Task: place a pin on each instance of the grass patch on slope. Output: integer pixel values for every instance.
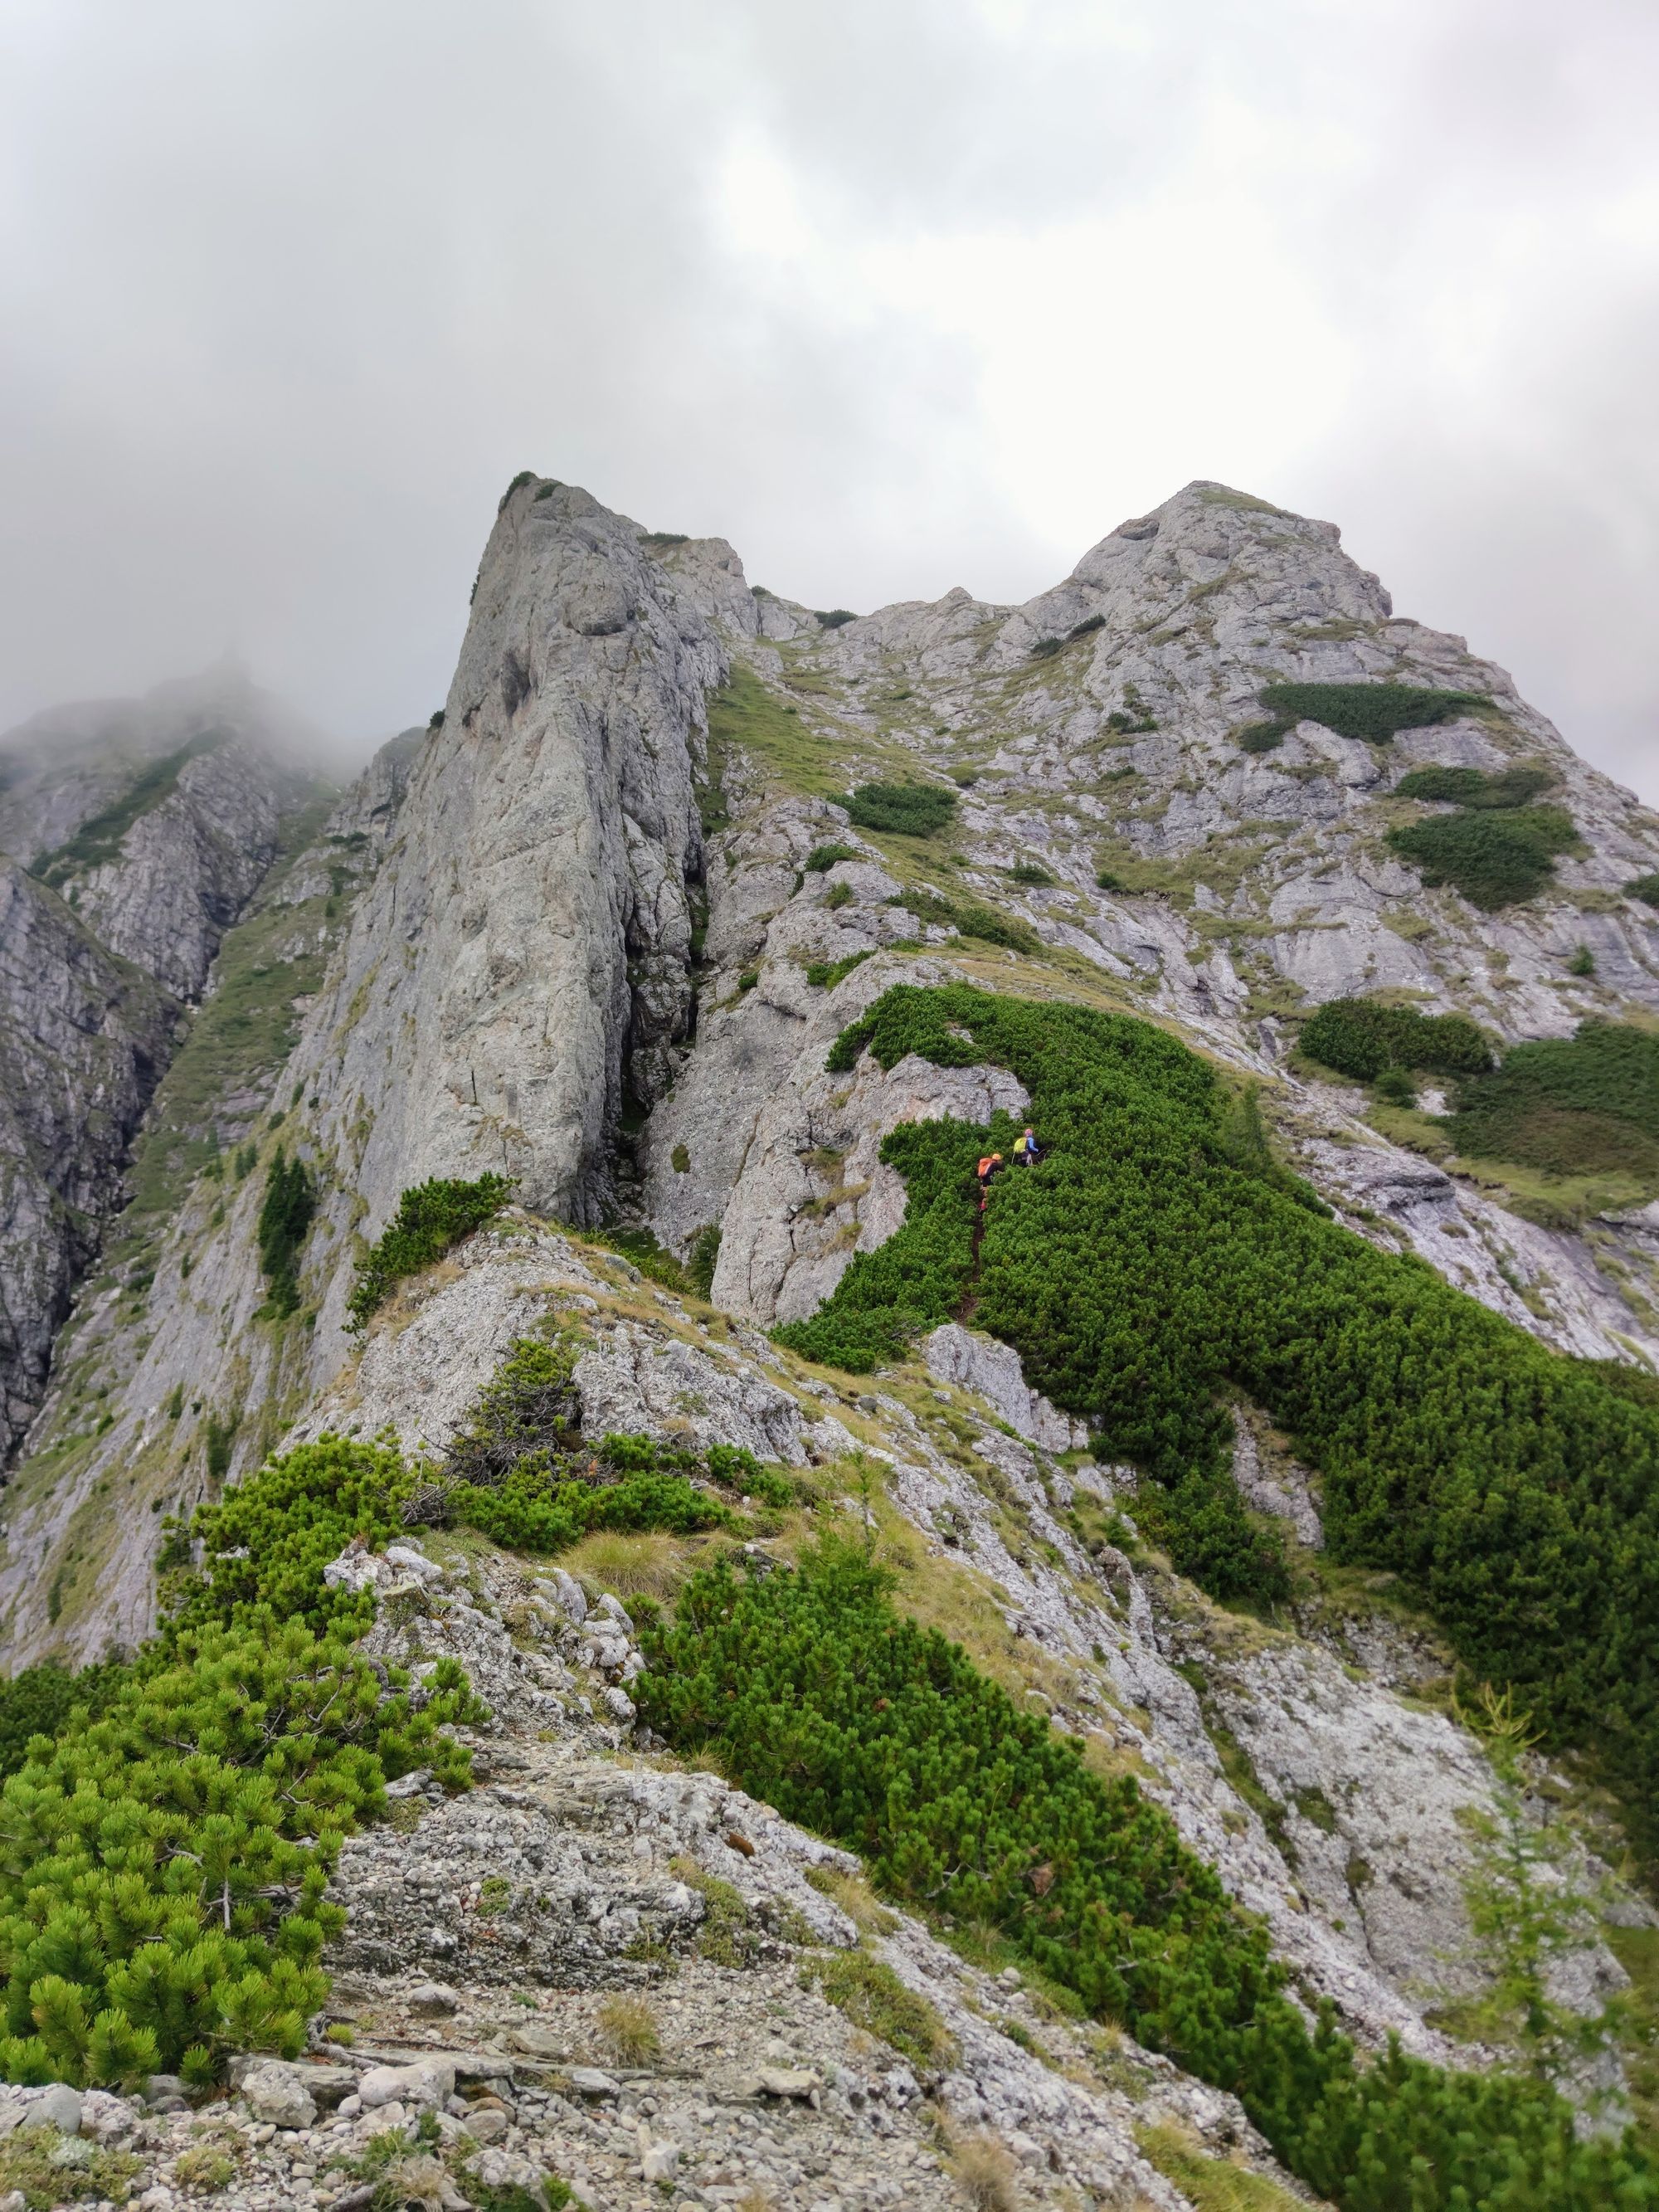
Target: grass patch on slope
(1586, 1104)
(242, 1032)
(745, 713)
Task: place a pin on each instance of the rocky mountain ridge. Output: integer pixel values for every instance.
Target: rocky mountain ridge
(597, 929)
(133, 833)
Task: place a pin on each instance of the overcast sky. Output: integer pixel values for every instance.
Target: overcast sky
(895, 294)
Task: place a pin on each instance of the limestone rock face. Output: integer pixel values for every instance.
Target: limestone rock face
(561, 936)
(157, 817)
(520, 961)
(954, 1354)
(83, 1038)
(133, 833)
(1354, 1845)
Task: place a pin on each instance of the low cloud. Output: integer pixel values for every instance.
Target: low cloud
(895, 297)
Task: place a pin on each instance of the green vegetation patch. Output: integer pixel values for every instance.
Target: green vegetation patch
(285, 1218)
(1210, 2184)
(971, 919)
(1472, 786)
(873, 1998)
(100, 840)
(1362, 1037)
(1578, 1105)
(169, 1845)
(744, 713)
(808, 1689)
(823, 858)
(692, 1277)
(39, 1699)
(430, 1220)
(910, 809)
(521, 1473)
(42, 2182)
(1141, 1272)
(1371, 711)
(824, 975)
(1645, 888)
(1494, 858)
(1045, 647)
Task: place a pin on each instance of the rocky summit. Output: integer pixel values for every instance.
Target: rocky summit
(609, 1594)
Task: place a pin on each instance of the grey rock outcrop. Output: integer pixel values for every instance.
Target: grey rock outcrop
(157, 817)
(519, 964)
(977, 1363)
(1354, 1843)
(134, 834)
(84, 1036)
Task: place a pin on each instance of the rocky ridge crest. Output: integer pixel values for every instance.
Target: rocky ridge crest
(577, 930)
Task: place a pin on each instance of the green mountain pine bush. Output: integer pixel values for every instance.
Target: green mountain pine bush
(1472, 786)
(1495, 858)
(813, 1695)
(430, 1220)
(168, 1845)
(915, 809)
(1371, 711)
(285, 1217)
(1362, 1037)
(1139, 1272)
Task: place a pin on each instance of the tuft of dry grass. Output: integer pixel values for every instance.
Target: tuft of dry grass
(855, 1898)
(985, 2172)
(654, 1565)
(629, 2027)
(1211, 2184)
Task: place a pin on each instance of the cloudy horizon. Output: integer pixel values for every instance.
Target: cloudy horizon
(895, 298)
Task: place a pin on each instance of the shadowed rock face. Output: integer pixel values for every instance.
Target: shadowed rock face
(83, 1038)
(133, 833)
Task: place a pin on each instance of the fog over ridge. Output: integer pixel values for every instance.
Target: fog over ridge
(896, 299)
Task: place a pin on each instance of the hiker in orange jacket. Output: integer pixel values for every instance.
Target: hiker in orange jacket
(989, 1165)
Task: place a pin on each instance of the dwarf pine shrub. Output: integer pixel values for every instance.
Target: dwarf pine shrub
(1371, 711)
(430, 1220)
(811, 1691)
(1140, 1272)
(1494, 858)
(168, 1843)
(1361, 1037)
(1474, 786)
(285, 1217)
(915, 809)
(824, 975)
